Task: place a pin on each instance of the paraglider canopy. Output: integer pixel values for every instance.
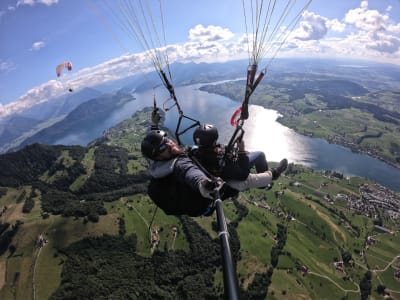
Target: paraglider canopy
(59, 69)
(65, 65)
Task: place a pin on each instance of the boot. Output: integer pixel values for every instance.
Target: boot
(276, 172)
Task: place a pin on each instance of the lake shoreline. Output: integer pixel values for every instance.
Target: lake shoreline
(335, 140)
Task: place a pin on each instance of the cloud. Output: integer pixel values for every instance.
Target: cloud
(11, 8)
(376, 29)
(37, 45)
(394, 28)
(315, 27)
(384, 43)
(362, 33)
(367, 20)
(33, 2)
(336, 25)
(37, 95)
(6, 66)
(209, 34)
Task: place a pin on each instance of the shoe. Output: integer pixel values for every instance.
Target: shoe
(276, 172)
(269, 186)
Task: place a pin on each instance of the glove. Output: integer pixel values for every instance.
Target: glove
(155, 117)
(206, 188)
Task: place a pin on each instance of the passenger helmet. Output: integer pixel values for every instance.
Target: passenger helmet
(205, 135)
(151, 143)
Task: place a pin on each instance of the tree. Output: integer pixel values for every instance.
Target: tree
(346, 256)
(381, 289)
(365, 285)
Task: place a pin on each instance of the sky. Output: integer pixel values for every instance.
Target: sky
(38, 35)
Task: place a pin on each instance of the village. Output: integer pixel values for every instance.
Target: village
(373, 200)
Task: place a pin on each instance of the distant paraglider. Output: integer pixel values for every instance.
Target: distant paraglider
(59, 70)
(65, 65)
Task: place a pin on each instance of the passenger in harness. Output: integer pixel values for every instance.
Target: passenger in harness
(214, 157)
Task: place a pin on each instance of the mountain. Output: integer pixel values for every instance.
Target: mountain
(73, 100)
(60, 105)
(15, 129)
(86, 116)
(80, 216)
(15, 126)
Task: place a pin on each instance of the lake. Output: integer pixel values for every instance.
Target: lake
(263, 133)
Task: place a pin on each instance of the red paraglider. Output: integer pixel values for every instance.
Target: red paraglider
(65, 65)
(59, 69)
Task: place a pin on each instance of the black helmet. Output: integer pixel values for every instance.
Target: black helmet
(151, 143)
(205, 135)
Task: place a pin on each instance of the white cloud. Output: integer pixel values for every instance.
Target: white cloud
(375, 29)
(363, 33)
(336, 25)
(315, 27)
(48, 2)
(25, 2)
(3, 12)
(384, 43)
(209, 34)
(394, 28)
(11, 8)
(37, 95)
(6, 66)
(367, 20)
(38, 45)
(33, 2)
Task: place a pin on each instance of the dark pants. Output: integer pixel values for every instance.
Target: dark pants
(257, 159)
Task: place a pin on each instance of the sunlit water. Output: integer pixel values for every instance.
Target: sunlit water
(262, 133)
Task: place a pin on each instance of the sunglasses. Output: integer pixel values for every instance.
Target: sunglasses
(163, 145)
